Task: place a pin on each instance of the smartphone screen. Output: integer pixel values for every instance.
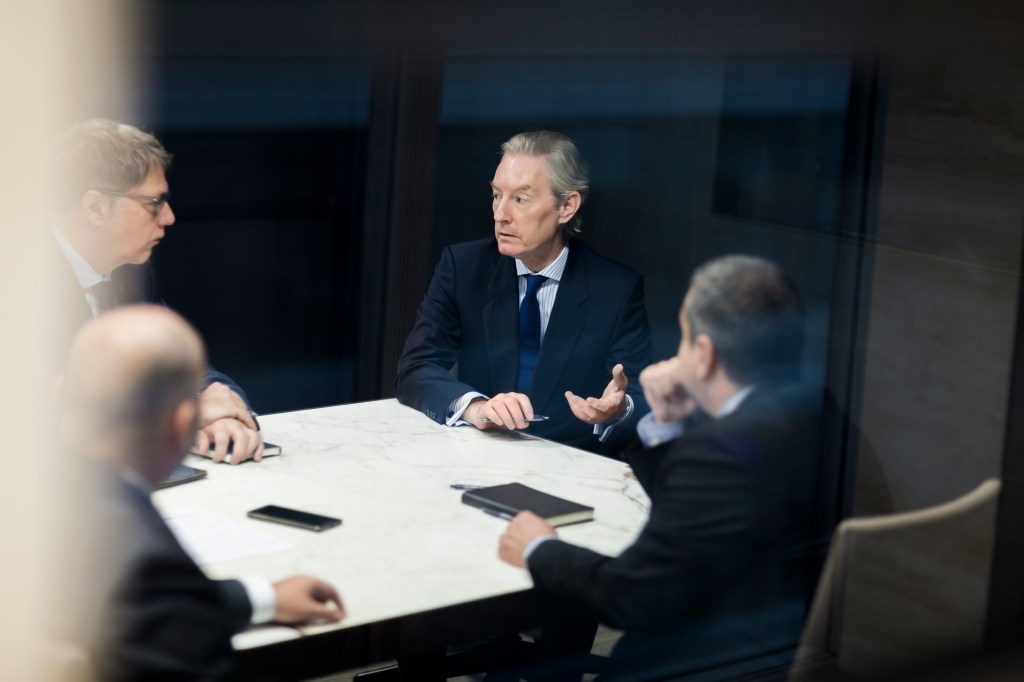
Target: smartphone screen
(294, 517)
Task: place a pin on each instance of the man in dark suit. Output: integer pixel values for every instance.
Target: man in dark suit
(144, 610)
(114, 210)
(533, 319)
(729, 552)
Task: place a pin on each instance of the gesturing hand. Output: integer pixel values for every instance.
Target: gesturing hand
(609, 407)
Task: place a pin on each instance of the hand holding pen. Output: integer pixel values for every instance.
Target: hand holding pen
(505, 411)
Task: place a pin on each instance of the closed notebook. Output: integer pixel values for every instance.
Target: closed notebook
(509, 499)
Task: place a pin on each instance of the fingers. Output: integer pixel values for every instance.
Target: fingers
(202, 442)
(597, 410)
(227, 433)
(520, 532)
(220, 440)
(510, 550)
(665, 393)
(324, 603)
(507, 410)
(583, 411)
(619, 380)
(325, 592)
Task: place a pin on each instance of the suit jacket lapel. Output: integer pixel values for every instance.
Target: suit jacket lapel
(501, 322)
(565, 327)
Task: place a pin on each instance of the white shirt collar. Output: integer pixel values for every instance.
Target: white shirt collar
(554, 269)
(87, 277)
(733, 402)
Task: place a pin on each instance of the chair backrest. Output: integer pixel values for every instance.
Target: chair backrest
(902, 591)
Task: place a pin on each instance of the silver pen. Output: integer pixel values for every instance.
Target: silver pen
(534, 418)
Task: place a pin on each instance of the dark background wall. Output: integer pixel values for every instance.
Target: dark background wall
(299, 175)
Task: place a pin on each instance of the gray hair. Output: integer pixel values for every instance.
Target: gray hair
(107, 155)
(753, 315)
(567, 170)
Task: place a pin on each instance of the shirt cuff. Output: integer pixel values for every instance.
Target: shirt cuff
(262, 597)
(534, 544)
(653, 433)
(603, 431)
(458, 408)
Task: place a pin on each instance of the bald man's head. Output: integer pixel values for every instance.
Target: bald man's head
(129, 389)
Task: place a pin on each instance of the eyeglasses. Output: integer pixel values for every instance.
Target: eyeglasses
(155, 204)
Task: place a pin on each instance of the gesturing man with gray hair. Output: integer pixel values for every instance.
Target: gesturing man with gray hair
(536, 321)
(113, 210)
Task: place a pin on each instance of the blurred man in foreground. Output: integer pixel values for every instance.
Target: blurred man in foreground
(129, 412)
(727, 556)
(535, 320)
(114, 210)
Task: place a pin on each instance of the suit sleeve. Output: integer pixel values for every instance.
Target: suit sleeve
(698, 540)
(175, 623)
(424, 380)
(631, 345)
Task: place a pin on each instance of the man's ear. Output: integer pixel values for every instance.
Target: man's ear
(94, 207)
(569, 207)
(183, 425)
(707, 359)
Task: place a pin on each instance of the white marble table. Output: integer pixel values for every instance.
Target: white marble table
(407, 545)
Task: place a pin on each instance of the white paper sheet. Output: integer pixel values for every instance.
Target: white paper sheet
(210, 537)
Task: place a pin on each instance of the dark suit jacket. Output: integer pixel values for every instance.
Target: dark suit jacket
(132, 284)
(147, 611)
(470, 318)
(729, 553)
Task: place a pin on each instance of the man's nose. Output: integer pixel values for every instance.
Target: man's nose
(500, 212)
(166, 216)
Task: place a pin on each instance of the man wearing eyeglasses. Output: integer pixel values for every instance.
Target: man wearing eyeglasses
(113, 212)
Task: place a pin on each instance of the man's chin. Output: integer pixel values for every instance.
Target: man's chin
(142, 258)
(506, 248)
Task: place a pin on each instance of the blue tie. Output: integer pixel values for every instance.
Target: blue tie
(529, 332)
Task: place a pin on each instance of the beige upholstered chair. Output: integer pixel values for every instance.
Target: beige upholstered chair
(903, 591)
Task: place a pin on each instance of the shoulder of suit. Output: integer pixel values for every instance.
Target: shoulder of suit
(475, 247)
(478, 255)
(608, 267)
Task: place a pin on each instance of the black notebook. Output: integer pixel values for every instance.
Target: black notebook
(511, 498)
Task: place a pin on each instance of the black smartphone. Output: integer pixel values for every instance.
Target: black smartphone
(181, 474)
(294, 517)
